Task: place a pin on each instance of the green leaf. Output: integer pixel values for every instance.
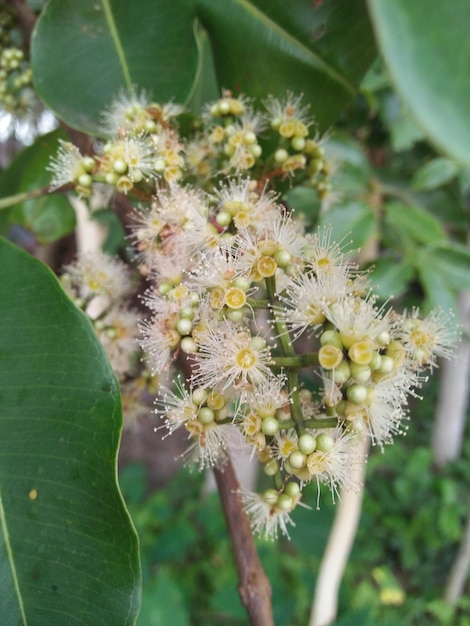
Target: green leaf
(425, 46)
(84, 53)
(352, 223)
(390, 278)
(68, 550)
(49, 217)
(404, 132)
(354, 172)
(451, 261)
(436, 288)
(433, 174)
(411, 221)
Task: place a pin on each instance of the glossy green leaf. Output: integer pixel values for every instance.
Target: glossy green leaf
(433, 174)
(68, 550)
(410, 221)
(48, 217)
(425, 46)
(352, 224)
(269, 46)
(84, 53)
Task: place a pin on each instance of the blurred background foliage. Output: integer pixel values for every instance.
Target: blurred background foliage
(408, 537)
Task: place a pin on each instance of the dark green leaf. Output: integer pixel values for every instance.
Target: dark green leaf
(68, 551)
(116, 238)
(433, 174)
(404, 132)
(412, 221)
(425, 46)
(108, 45)
(83, 53)
(305, 200)
(49, 217)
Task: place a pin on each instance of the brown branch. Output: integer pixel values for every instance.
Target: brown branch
(253, 584)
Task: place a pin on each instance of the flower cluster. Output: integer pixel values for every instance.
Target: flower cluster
(102, 287)
(244, 299)
(143, 146)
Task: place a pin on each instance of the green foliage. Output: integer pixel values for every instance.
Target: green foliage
(408, 537)
(60, 412)
(186, 550)
(114, 44)
(68, 551)
(412, 521)
(434, 173)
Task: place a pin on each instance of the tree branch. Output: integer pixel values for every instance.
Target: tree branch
(253, 586)
(459, 572)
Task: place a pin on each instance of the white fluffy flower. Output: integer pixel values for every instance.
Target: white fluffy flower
(230, 356)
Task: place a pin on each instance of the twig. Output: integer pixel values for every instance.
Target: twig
(348, 512)
(253, 586)
(459, 572)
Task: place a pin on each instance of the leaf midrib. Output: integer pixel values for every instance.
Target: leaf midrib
(262, 17)
(117, 42)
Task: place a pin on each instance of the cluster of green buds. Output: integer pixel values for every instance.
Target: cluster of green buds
(15, 72)
(297, 148)
(143, 147)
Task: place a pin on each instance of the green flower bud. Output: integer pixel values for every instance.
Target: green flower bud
(184, 326)
(325, 442)
(307, 443)
(297, 459)
(270, 426)
(357, 393)
(205, 415)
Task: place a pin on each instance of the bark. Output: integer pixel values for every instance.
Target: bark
(253, 585)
